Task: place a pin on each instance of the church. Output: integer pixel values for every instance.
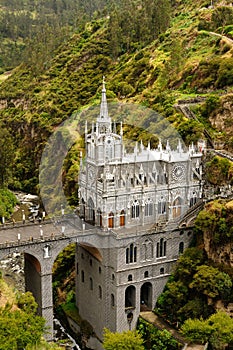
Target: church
(138, 199)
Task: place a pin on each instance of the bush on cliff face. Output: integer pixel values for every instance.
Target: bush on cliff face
(219, 171)
(217, 220)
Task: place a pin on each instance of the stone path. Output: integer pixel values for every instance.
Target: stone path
(160, 324)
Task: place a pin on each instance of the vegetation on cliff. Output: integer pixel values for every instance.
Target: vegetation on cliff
(154, 64)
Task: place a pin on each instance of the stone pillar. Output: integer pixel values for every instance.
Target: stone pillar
(47, 303)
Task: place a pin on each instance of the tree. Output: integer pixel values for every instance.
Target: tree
(154, 338)
(211, 282)
(187, 264)
(128, 340)
(19, 328)
(217, 330)
(6, 156)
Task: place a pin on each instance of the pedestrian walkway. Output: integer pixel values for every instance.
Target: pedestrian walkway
(158, 322)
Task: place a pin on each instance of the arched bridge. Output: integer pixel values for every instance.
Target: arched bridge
(42, 242)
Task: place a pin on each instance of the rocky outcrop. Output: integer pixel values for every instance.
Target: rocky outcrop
(219, 253)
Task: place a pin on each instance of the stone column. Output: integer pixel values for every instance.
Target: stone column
(47, 303)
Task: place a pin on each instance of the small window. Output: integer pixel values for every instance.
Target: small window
(100, 292)
(181, 247)
(82, 276)
(113, 277)
(100, 270)
(112, 300)
(146, 274)
(82, 256)
(91, 283)
(130, 278)
(162, 271)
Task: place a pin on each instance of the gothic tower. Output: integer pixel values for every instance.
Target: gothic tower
(138, 200)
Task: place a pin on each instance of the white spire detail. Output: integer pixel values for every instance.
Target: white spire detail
(104, 105)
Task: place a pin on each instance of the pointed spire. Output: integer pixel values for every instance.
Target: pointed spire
(121, 132)
(104, 106)
(179, 147)
(160, 147)
(141, 146)
(168, 148)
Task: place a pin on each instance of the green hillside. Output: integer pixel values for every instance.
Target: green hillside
(188, 55)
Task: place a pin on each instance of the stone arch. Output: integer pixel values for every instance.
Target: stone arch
(92, 250)
(146, 296)
(130, 297)
(32, 270)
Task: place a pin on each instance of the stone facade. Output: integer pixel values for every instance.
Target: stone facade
(138, 200)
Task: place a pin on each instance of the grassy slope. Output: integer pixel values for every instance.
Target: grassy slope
(180, 64)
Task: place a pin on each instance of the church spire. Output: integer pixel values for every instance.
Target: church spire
(104, 105)
(104, 121)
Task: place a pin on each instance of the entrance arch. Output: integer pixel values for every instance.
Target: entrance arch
(146, 296)
(130, 297)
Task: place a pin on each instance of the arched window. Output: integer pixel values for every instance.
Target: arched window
(122, 218)
(161, 248)
(131, 254)
(99, 217)
(148, 249)
(161, 206)
(161, 271)
(146, 274)
(181, 247)
(176, 210)
(91, 211)
(111, 220)
(82, 276)
(130, 278)
(149, 208)
(135, 210)
(193, 199)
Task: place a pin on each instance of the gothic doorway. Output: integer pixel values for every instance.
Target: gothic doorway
(146, 296)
